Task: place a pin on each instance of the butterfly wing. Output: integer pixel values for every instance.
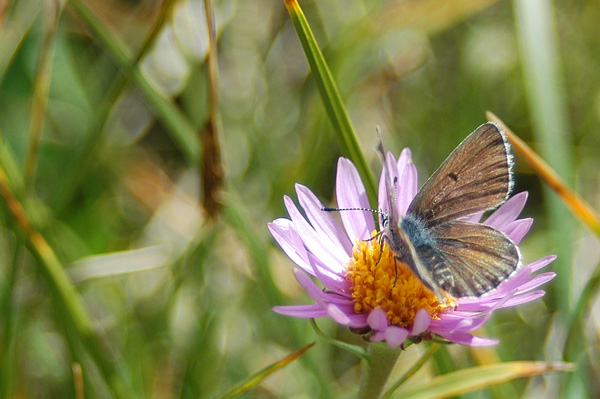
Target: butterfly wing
(476, 176)
(469, 259)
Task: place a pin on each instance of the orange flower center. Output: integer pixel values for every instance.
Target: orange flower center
(372, 273)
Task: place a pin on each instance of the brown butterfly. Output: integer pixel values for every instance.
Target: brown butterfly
(459, 257)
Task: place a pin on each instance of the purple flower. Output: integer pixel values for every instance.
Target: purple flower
(365, 288)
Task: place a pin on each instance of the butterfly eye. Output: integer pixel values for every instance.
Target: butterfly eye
(384, 219)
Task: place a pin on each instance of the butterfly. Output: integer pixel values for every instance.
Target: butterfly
(447, 253)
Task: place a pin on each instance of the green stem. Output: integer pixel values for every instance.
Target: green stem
(72, 310)
(573, 341)
(86, 153)
(41, 89)
(376, 371)
(167, 112)
(10, 315)
(412, 371)
(354, 349)
(332, 99)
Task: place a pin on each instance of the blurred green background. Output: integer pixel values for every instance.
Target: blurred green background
(102, 104)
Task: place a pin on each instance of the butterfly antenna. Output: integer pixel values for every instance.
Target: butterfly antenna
(380, 213)
(328, 209)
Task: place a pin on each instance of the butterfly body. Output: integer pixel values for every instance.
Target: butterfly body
(446, 252)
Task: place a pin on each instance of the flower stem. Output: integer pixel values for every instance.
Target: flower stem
(416, 367)
(377, 369)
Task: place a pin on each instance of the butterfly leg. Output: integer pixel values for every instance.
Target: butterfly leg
(396, 259)
(380, 237)
(381, 243)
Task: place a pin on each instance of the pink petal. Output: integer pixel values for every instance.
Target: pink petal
(333, 282)
(524, 298)
(377, 319)
(313, 291)
(540, 263)
(407, 188)
(477, 306)
(404, 158)
(323, 222)
(509, 211)
(508, 286)
(518, 229)
(346, 319)
(304, 311)
(284, 232)
(469, 340)
(421, 322)
(395, 336)
(449, 323)
(464, 324)
(351, 193)
(536, 281)
(312, 240)
(319, 268)
(323, 298)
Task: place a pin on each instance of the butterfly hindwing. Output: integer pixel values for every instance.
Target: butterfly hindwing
(476, 176)
(469, 259)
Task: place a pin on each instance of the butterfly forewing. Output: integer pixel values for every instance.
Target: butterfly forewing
(470, 259)
(475, 177)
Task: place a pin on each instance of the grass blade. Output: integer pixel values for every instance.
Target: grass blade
(472, 379)
(41, 90)
(331, 98)
(212, 167)
(67, 297)
(413, 370)
(259, 376)
(174, 120)
(575, 323)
